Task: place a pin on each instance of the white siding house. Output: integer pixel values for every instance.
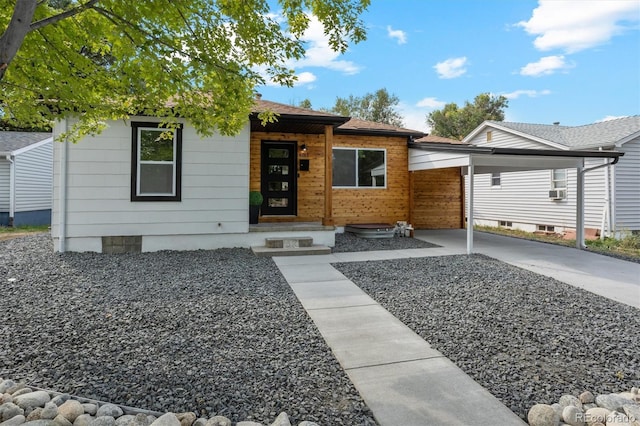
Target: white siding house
(26, 172)
(546, 199)
(98, 202)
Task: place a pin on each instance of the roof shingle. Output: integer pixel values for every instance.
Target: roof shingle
(601, 134)
(13, 141)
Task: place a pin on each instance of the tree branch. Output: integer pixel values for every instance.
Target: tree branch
(66, 14)
(14, 35)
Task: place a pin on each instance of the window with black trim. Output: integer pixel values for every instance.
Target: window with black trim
(359, 168)
(156, 162)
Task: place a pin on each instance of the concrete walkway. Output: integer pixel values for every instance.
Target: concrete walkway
(403, 380)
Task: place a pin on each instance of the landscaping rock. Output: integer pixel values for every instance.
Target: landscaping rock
(596, 415)
(573, 416)
(60, 420)
(613, 402)
(219, 421)
(102, 421)
(110, 410)
(9, 410)
(587, 397)
(543, 415)
(32, 399)
(49, 412)
(186, 419)
(168, 419)
(83, 420)
(14, 421)
(71, 409)
(281, 420)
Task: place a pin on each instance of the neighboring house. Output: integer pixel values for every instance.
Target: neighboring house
(316, 171)
(26, 173)
(545, 200)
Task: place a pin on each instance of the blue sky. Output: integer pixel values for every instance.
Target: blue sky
(574, 61)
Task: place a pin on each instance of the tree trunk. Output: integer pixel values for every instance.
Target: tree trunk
(15, 33)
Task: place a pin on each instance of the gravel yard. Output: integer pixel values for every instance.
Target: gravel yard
(215, 332)
(347, 242)
(525, 337)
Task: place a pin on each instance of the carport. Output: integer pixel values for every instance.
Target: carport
(474, 160)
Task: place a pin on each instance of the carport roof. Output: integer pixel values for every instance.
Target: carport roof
(495, 159)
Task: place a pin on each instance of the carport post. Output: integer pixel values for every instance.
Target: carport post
(580, 206)
(470, 211)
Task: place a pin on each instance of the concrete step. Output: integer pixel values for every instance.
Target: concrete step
(288, 242)
(264, 251)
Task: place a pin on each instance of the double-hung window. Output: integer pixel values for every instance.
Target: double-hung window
(156, 157)
(359, 168)
(496, 179)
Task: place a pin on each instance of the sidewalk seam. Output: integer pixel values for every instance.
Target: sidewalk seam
(395, 362)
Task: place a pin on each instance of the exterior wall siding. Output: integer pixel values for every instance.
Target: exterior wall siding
(4, 186)
(627, 180)
(502, 139)
(34, 179)
(437, 199)
(375, 205)
(310, 184)
(523, 197)
(358, 205)
(215, 179)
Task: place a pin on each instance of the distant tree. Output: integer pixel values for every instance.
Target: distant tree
(197, 59)
(305, 103)
(456, 123)
(379, 107)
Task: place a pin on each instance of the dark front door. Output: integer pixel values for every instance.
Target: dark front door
(279, 178)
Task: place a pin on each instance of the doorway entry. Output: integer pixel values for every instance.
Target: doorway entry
(278, 178)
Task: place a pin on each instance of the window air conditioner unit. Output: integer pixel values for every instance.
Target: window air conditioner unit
(558, 194)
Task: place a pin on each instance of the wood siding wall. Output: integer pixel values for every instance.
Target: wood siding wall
(310, 184)
(437, 199)
(358, 205)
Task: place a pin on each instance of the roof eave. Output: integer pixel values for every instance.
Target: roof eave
(470, 149)
(377, 132)
(317, 119)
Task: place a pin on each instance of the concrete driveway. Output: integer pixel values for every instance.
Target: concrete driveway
(606, 276)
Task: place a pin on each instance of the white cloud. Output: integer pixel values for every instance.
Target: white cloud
(545, 66)
(305, 78)
(431, 103)
(319, 54)
(574, 25)
(530, 93)
(399, 35)
(451, 68)
(415, 116)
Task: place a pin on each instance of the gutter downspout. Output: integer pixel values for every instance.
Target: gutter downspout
(62, 200)
(580, 201)
(606, 219)
(12, 187)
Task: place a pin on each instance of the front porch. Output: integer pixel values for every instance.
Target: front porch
(291, 238)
